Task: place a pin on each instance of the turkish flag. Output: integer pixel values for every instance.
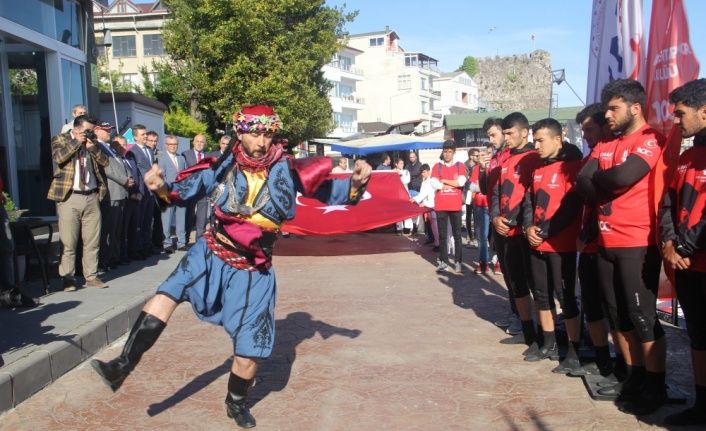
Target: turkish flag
(671, 64)
(385, 201)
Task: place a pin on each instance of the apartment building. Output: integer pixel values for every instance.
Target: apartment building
(399, 86)
(136, 30)
(345, 75)
(459, 94)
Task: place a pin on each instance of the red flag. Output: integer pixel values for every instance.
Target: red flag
(670, 63)
(385, 201)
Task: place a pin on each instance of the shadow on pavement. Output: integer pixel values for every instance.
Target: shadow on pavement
(23, 327)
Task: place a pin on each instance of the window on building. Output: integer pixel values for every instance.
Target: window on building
(154, 78)
(404, 82)
(424, 83)
(124, 46)
(152, 44)
(128, 78)
(458, 96)
(334, 91)
(431, 82)
(410, 59)
(121, 8)
(424, 107)
(377, 41)
(424, 129)
(345, 90)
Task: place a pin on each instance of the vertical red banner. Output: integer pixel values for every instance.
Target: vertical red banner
(670, 63)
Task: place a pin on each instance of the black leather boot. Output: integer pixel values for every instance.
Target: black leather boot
(238, 389)
(144, 333)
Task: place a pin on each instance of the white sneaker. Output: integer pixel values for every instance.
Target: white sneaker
(442, 267)
(494, 260)
(515, 326)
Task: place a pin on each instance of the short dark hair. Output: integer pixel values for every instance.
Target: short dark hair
(473, 150)
(87, 118)
(596, 111)
(691, 94)
(425, 167)
(515, 119)
(549, 124)
(152, 133)
(449, 143)
(490, 122)
(629, 90)
(137, 127)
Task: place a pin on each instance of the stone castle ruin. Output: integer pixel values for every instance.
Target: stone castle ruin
(515, 82)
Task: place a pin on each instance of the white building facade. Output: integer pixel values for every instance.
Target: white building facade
(344, 75)
(459, 94)
(399, 86)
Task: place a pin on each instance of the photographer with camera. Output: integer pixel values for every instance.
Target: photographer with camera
(78, 187)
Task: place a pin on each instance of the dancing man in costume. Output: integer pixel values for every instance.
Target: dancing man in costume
(227, 275)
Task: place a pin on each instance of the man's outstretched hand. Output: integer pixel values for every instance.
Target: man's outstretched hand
(361, 175)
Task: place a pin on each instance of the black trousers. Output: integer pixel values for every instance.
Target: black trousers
(443, 218)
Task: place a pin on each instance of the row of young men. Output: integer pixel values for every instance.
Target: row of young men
(547, 203)
(103, 203)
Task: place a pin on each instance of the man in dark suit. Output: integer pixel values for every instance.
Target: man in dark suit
(200, 207)
(130, 240)
(113, 204)
(223, 144)
(144, 157)
(171, 164)
(78, 187)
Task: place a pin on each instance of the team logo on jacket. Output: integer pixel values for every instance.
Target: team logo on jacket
(651, 143)
(682, 169)
(553, 184)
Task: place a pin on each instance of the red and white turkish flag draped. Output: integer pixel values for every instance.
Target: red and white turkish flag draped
(617, 47)
(671, 64)
(385, 201)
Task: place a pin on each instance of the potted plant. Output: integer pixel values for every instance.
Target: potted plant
(12, 211)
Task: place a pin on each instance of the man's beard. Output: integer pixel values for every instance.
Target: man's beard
(625, 124)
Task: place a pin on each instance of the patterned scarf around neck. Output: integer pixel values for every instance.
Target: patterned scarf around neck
(252, 164)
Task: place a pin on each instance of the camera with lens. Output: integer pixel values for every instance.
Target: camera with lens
(10, 297)
(90, 134)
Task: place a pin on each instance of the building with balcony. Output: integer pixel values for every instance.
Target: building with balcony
(399, 86)
(344, 75)
(136, 30)
(459, 94)
(48, 65)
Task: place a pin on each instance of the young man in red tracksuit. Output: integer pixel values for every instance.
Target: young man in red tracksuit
(506, 215)
(595, 129)
(619, 177)
(448, 179)
(551, 223)
(682, 222)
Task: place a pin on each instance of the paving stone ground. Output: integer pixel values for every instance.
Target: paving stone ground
(369, 337)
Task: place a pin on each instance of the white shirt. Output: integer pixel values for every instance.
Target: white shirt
(426, 194)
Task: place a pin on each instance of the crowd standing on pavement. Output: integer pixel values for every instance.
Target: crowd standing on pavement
(548, 207)
(533, 209)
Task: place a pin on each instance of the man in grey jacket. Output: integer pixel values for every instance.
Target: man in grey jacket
(113, 204)
(171, 164)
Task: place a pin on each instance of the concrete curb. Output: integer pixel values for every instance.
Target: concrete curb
(23, 378)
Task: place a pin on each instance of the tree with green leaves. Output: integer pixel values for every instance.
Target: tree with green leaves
(470, 66)
(106, 75)
(228, 53)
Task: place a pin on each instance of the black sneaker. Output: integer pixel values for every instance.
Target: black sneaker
(515, 339)
(590, 370)
(566, 366)
(690, 416)
(545, 352)
(646, 403)
(69, 284)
